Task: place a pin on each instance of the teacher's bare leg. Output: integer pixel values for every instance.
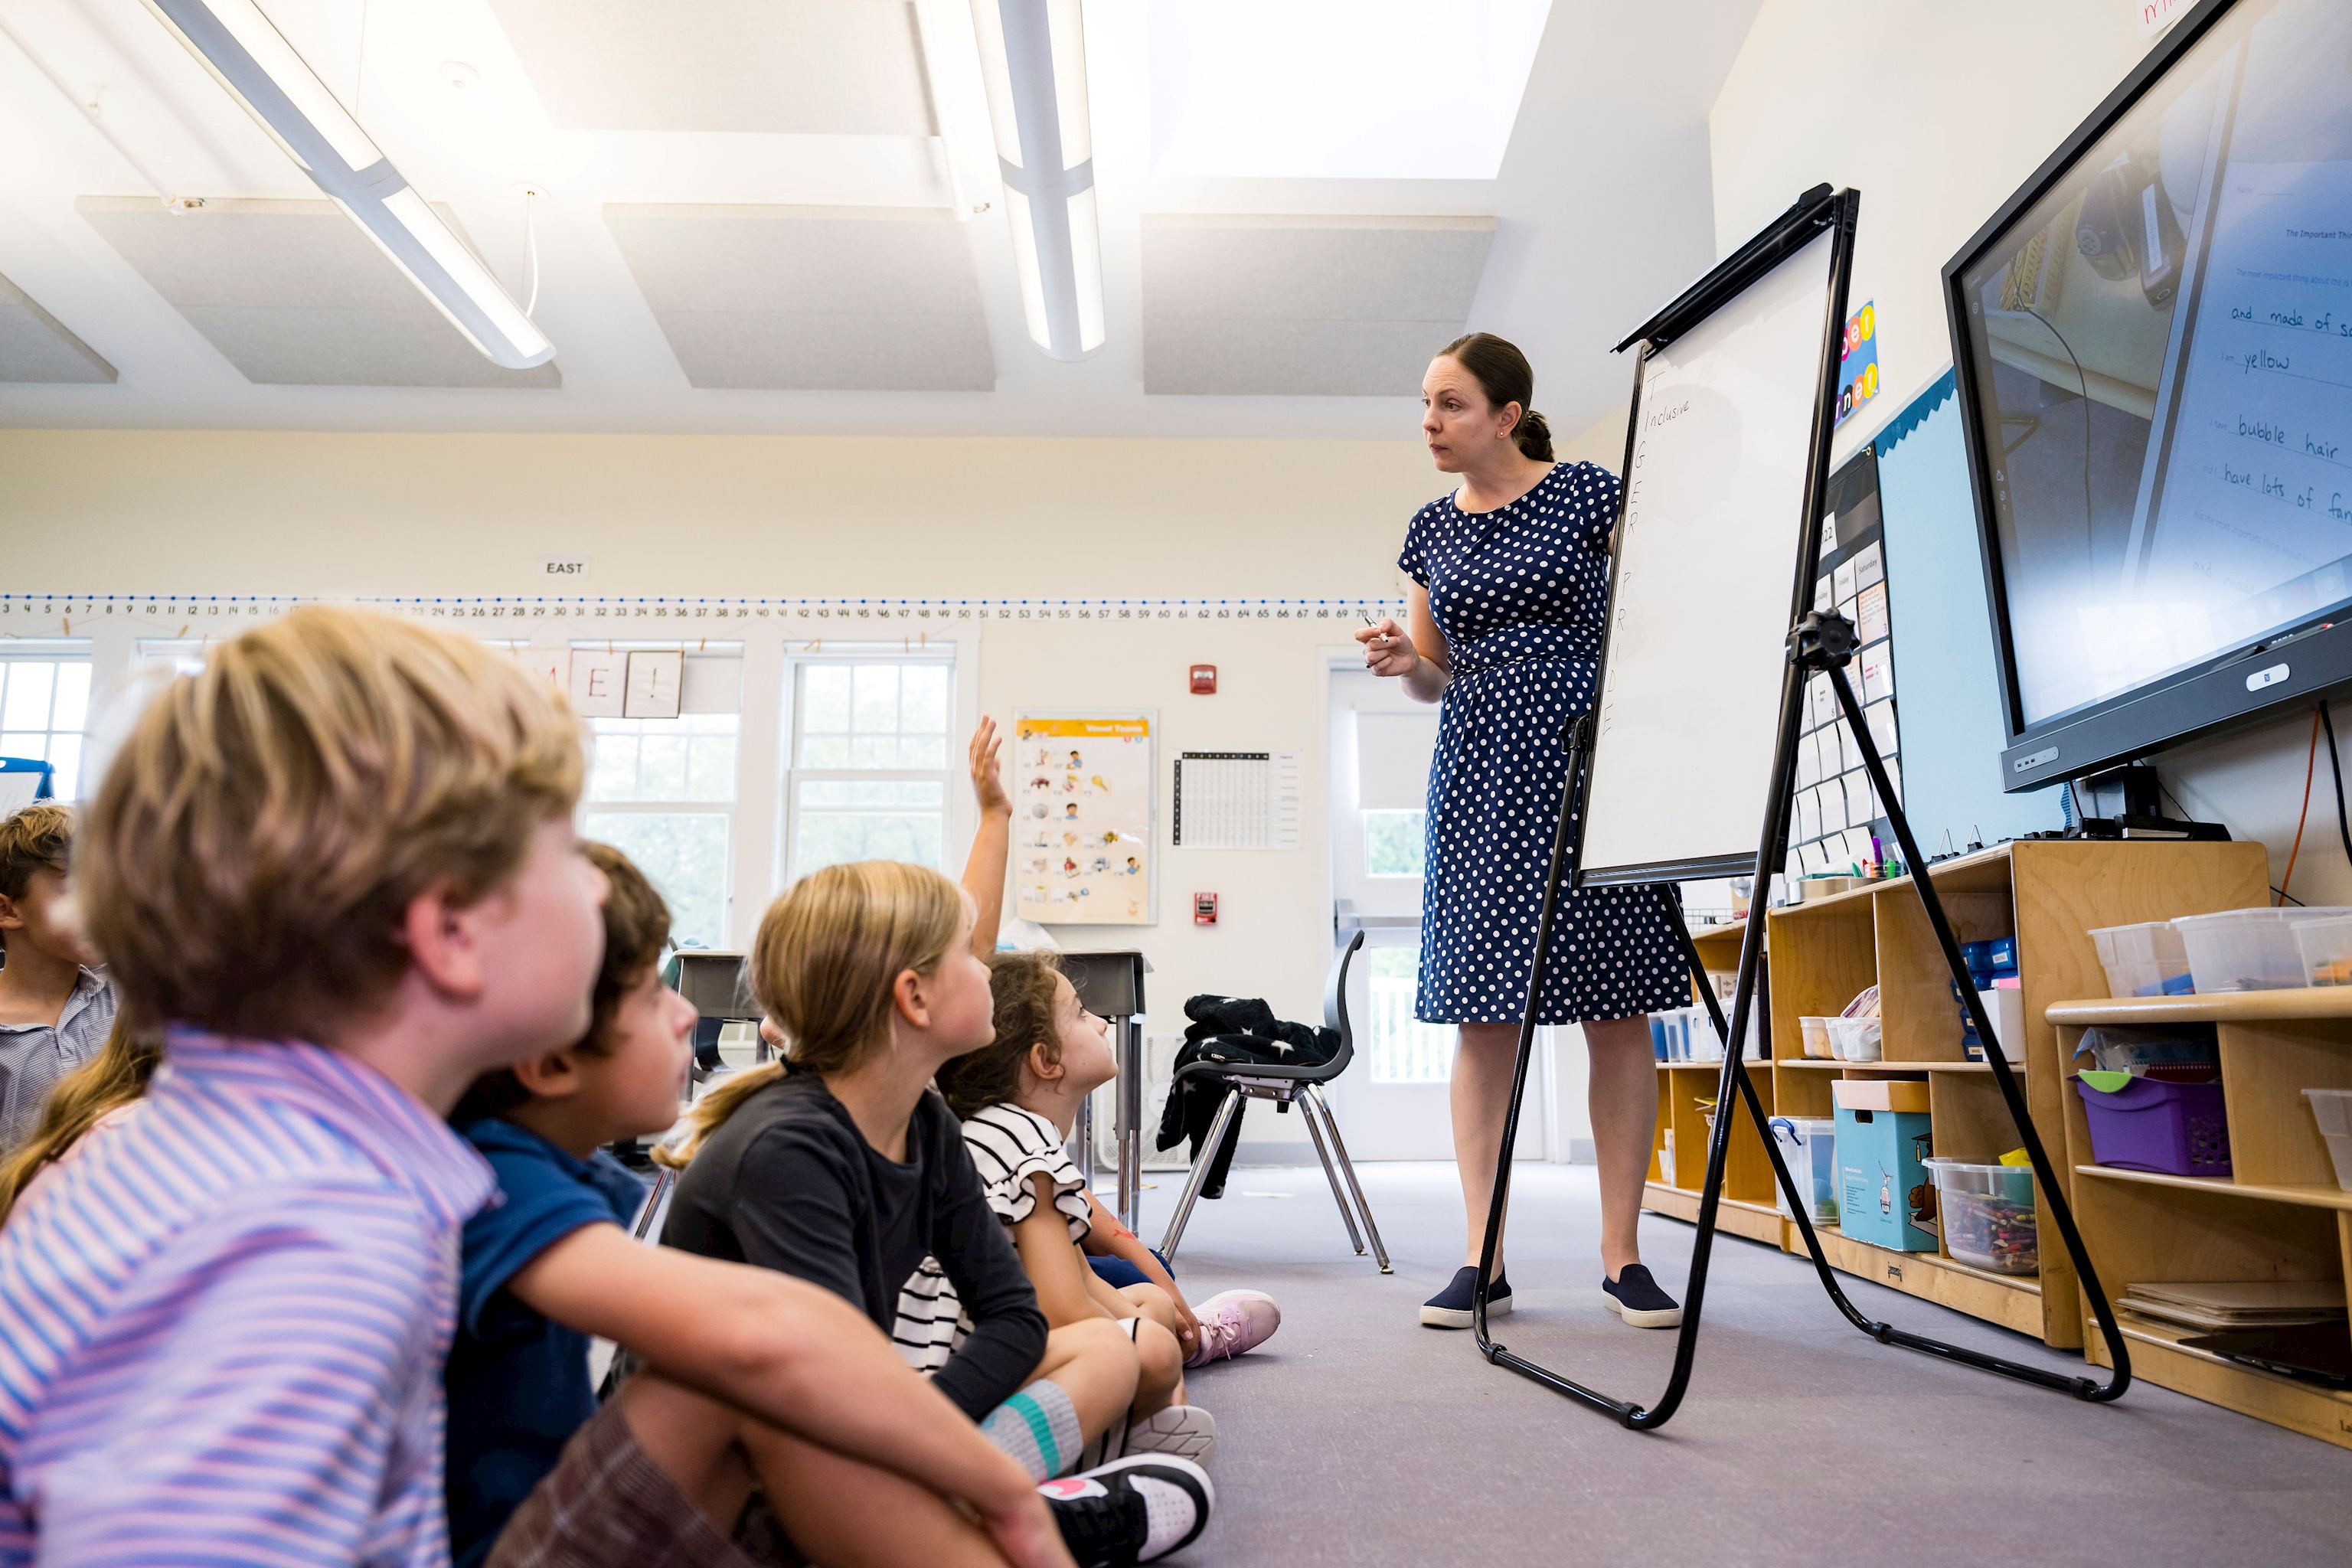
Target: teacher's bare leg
(1622, 1094)
(1481, 1093)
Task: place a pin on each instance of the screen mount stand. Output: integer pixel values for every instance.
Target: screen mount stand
(1820, 644)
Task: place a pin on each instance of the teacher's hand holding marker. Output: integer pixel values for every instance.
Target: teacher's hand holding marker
(1503, 623)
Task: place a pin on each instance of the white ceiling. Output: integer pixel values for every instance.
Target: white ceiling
(696, 264)
(295, 294)
(1344, 307)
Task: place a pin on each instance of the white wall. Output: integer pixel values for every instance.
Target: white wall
(216, 512)
(1936, 113)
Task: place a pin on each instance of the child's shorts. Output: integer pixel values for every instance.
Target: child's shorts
(607, 1505)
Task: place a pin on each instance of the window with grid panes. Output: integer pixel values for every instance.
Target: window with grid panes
(870, 761)
(44, 707)
(663, 792)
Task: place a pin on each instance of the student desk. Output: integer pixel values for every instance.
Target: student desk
(1111, 985)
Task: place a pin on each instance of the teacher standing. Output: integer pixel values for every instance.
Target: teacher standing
(1503, 627)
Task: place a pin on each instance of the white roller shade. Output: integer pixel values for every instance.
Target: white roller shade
(1393, 756)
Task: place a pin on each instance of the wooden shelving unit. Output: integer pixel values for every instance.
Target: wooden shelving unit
(1749, 1207)
(2280, 1214)
(2048, 894)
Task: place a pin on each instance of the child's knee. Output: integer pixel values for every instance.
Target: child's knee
(1159, 1359)
(1153, 1303)
(1099, 1345)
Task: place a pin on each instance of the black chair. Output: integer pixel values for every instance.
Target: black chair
(716, 984)
(1299, 1085)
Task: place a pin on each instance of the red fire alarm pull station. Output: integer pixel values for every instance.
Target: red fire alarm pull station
(1204, 908)
(1204, 680)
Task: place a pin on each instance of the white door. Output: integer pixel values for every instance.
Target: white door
(1393, 1101)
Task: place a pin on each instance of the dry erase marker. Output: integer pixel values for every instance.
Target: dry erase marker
(1382, 639)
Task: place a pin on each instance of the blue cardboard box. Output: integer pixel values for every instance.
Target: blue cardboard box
(1885, 1194)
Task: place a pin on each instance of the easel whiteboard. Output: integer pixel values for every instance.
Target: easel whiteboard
(1713, 566)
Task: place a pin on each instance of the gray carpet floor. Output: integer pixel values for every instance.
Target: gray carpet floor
(1358, 1438)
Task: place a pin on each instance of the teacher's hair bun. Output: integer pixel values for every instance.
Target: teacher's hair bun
(1533, 434)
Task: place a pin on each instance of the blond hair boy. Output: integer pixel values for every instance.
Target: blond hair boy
(337, 866)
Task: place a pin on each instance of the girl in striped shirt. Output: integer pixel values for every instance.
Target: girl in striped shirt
(1018, 1097)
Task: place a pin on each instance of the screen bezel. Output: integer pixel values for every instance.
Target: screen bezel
(2166, 708)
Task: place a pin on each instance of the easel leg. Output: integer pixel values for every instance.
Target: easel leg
(2053, 1192)
(1806, 655)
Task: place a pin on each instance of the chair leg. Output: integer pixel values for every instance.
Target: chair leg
(1348, 1168)
(1200, 1176)
(1332, 1174)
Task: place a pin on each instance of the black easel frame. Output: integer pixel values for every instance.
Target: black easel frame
(1819, 643)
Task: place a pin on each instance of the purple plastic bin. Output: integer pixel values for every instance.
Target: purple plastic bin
(2175, 1129)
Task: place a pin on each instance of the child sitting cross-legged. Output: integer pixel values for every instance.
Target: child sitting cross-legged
(770, 1419)
(335, 872)
(1019, 1099)
(841, 1165)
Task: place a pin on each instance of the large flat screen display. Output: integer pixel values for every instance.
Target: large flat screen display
(2157, 348)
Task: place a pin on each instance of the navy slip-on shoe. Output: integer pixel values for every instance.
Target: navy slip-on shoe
(1450, 1308)
(1635, 1297)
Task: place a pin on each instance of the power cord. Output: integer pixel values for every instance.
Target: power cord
(2335, 766)
(2310, 764)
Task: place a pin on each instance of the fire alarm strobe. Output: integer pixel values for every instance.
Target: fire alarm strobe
(1204, 680)
(1204, 908)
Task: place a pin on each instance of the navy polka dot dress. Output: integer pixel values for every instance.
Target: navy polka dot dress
(1520, 593)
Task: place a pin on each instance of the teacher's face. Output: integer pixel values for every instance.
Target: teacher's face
(1465, 431)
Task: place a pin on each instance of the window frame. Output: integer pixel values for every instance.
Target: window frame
(730, 809)
(55, 652)
(955, 807)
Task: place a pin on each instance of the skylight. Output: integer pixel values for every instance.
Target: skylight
(1339, 88)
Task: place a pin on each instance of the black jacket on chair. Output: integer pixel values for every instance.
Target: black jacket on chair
(1242, 1031)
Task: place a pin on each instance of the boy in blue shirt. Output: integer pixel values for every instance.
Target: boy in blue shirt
(773, 1419)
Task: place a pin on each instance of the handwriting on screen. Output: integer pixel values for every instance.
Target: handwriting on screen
(2260, 453)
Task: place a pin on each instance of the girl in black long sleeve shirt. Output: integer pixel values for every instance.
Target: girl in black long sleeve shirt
(845, 1168)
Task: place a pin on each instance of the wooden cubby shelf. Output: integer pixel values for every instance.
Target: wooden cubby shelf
(2048, 894)
(2280, 1214)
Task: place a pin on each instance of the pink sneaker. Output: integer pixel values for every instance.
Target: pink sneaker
(1233, 1321)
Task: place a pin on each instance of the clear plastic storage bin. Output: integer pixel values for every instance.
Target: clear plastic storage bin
(2332, 1107)
(1807, 1146)
(1854, 1039)
(1988, 1215)
(2148, 960)
(1816, 1038)
(2326, 948)
(2248, 949)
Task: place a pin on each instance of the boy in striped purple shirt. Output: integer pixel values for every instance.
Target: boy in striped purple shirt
(338, 864)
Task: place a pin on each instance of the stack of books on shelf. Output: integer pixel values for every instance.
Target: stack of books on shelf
(2296, 1328)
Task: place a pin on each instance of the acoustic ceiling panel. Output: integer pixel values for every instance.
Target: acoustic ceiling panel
(34, 346)
(812, 299)
(1329, 307)
(849, 68)
(293, 294)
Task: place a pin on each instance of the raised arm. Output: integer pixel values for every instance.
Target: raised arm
(983, 869)
(1416, 651)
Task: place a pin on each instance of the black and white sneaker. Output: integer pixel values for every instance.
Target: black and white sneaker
(1635, 1297)
(1450, 1308)
(1131, 1510)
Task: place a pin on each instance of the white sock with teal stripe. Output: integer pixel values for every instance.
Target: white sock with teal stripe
(1038, 1426)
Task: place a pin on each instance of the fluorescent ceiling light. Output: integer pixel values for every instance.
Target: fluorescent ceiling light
(1033, 55)
(1392, 89)
(251, 58)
